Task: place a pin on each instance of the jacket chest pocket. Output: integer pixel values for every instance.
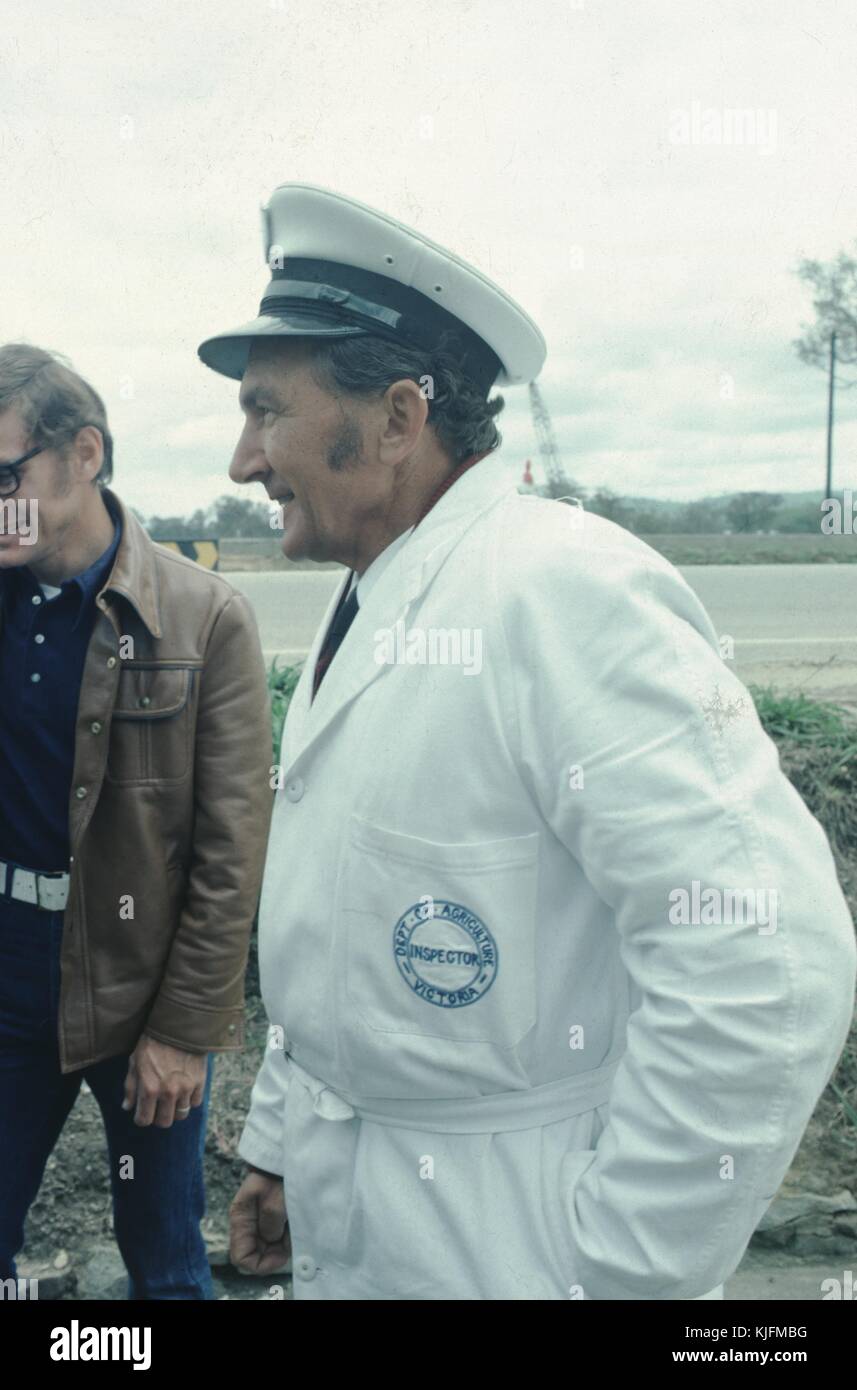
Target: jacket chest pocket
(150, 731)
(439, 939)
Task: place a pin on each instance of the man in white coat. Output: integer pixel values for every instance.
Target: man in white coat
(555, 958)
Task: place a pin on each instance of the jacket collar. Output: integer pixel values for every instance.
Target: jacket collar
(402, 583)
(134, 574)
(82, 587)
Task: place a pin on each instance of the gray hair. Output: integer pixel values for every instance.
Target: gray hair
(53, 400)
(462, 418)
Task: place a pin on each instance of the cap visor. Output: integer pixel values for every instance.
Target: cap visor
(228, 352)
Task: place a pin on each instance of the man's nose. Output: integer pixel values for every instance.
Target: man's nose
(248, 461)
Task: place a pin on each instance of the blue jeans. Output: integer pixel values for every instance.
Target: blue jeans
(159, 1199)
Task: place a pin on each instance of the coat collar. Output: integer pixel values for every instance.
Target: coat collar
(402, 583)
(134, 573)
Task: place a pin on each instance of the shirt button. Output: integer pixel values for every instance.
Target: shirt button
(39, 637)
(35, 677)
(37, 598)
(295, 790)
(305, 1267)
(95, 727)
(80, 793)
(111, 662)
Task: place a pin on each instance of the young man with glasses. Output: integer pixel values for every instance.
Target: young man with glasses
(134, 804)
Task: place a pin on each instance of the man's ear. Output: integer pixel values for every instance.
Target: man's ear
(405, 414)
(88, 453)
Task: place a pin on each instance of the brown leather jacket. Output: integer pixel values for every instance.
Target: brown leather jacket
(169, 810)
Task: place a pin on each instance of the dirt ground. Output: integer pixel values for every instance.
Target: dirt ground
(73, 1211)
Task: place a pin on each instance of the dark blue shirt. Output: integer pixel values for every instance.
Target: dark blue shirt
(42, 654)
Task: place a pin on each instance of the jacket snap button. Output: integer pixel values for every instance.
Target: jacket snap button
(144, 701)
(295, 790)
(305, 1267)
(111, 662)
(80, 793)
(95, 727)
(231, 1028)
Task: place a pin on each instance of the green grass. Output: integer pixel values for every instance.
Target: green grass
(817, 743)
(793, 715)
(281, 685)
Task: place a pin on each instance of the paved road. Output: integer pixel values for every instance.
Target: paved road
(794, 624)
(288, 605)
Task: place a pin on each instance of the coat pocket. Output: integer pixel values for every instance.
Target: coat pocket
(440, 938)
(150, 732)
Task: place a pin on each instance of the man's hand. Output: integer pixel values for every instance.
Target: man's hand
(164, 1082)
(259, 1241)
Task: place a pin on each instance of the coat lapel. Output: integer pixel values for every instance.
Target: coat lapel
(301, 702)
(393, 598)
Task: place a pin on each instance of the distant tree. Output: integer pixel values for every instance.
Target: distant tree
(604, 502)
(752, 511)
(834, 299)
(795, 517)
(645, 521)
(706, 516)
(831, 342)
(563, 487)
(227, 517)
(177, 528)
(239, 516)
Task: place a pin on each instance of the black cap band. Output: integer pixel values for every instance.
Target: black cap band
(344, 294)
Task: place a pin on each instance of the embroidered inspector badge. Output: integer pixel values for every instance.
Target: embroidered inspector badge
(445, 953)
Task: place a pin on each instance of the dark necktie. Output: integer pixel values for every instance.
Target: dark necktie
(342, 621)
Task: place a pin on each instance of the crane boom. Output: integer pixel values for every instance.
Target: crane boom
(557, 481)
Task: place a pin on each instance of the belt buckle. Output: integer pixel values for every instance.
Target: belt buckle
(53, 892)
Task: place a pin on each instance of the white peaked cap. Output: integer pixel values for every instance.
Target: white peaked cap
(341, 269)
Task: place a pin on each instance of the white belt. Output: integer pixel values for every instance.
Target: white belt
(48, 891)
(492, 1114)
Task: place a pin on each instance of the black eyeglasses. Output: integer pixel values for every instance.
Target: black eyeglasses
(10, 473)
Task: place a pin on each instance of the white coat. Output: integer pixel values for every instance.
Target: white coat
(524, 1044)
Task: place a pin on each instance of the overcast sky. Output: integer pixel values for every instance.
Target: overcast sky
(584, 154)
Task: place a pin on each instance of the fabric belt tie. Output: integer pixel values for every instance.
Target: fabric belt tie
(492, 1114)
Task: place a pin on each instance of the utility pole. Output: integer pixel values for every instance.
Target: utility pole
(829, 492)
